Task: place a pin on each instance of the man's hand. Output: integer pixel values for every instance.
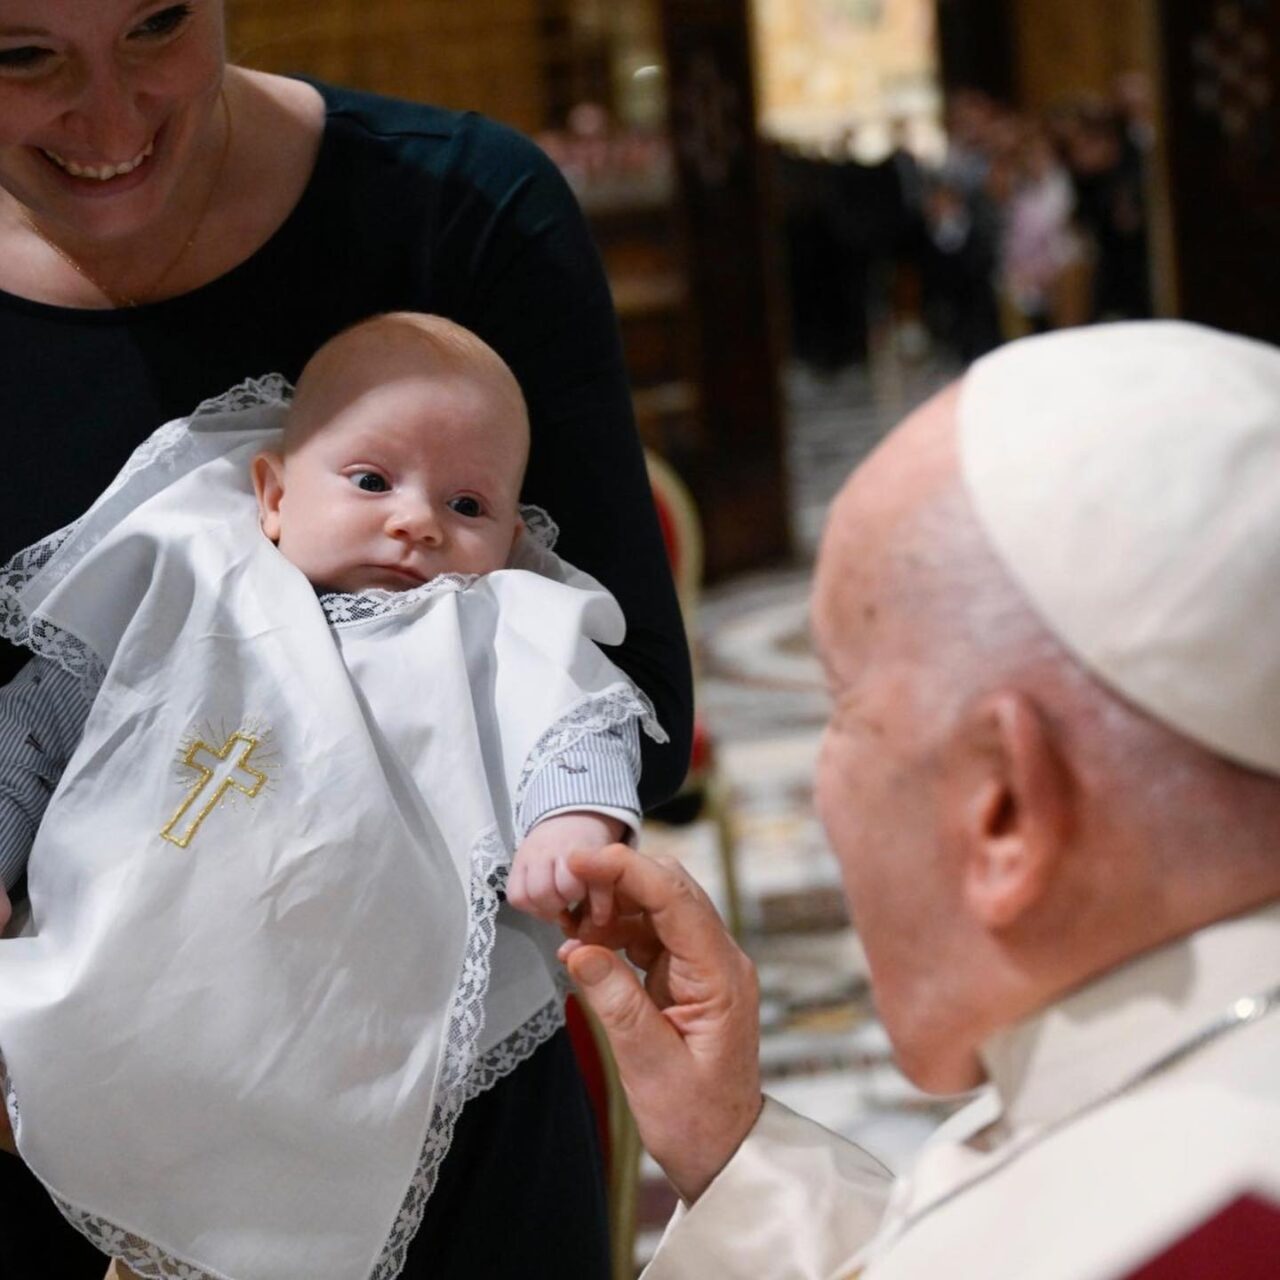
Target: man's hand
(687, 1043)
(541, 882)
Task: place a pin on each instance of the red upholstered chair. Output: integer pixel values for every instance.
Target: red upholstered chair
(704, 791)
(619, 1140)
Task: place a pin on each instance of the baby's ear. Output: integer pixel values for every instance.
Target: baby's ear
(267, 470)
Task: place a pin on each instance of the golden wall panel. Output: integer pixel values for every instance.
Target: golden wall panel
(1066, 48)
(821, 63)
(476, 54)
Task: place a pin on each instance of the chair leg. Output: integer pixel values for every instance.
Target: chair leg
(624, 1186)
(717, 803)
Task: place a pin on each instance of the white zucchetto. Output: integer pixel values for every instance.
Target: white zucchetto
(1128, 477)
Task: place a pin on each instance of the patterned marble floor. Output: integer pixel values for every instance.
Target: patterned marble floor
(761, 692)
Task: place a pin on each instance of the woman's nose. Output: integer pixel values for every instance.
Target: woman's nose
(103, 114)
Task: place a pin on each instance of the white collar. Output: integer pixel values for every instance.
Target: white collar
(1069, 1055)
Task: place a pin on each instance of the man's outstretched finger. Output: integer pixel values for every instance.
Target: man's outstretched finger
(682, 914)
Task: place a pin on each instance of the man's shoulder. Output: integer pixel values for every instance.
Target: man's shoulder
(1105, 1190)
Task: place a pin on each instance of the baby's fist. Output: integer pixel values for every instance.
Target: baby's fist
(541, 882)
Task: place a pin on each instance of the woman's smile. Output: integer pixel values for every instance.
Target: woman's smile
(101, 172)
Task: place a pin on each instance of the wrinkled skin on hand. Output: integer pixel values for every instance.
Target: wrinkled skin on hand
(687, 1040)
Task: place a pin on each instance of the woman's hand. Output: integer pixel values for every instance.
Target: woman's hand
(687, 1042)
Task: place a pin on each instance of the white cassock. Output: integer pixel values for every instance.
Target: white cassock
(266, 963)
(1047, 1175)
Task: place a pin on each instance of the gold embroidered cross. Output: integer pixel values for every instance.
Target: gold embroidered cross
(224, 772)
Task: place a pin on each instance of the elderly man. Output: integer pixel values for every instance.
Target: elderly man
(1049, 612)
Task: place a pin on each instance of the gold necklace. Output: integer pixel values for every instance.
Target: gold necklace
(127, 300)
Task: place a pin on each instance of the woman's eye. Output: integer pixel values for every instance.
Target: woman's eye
(163, 23)
(370, 482)
(466, 506)
(27, 57)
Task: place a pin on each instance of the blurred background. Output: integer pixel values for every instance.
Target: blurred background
(813, 214)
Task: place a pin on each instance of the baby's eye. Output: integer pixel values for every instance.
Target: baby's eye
(369, 481)
(466, 505)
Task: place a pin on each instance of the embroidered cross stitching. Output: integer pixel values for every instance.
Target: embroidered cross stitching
(223, 773)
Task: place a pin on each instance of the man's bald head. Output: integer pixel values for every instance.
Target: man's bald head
(1007, 826)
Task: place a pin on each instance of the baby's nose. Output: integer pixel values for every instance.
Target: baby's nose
(416, 521)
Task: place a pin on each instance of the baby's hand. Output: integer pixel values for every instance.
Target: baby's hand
(540, 881)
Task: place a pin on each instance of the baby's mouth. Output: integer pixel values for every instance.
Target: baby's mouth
(101, 172)
(402, 572)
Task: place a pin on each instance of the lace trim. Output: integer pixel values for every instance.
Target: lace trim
(521, 1044)
(457, 1085)
(487, 878)
(342, 608)
(540, 526)
(62, 647)
(139, 1256)
(596, 713)
(10, 1099)
(70, 653)
(166, 447)
(17, 572)
(253, 393)
(466, 1020)
(345, 608)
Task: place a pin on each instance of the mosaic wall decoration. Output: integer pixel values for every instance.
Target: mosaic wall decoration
(825, 65)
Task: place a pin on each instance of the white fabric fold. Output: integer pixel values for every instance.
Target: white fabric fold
(264, 901)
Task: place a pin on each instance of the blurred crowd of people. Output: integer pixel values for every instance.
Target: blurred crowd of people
(1027, 223)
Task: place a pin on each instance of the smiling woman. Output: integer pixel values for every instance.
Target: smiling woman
(170, 226)
(113, 145)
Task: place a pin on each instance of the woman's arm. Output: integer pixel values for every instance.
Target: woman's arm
(515, 261)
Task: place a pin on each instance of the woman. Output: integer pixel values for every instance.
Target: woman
(170, 226)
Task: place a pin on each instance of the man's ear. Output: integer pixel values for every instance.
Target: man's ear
(267, 470)
(1010, 801)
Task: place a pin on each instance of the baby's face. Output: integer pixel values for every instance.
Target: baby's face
(412, 476)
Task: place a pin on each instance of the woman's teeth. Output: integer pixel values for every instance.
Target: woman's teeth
(102, 172)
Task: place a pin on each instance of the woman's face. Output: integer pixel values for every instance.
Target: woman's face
(107, 109)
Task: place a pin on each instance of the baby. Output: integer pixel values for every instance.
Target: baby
(402, 459)
(314, 953)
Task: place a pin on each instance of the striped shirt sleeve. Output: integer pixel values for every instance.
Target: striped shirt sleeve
(43, 713)
(600, 773)
(42, 716)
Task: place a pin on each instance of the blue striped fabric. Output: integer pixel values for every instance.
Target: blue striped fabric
(43, 712)
(42, 715)
(599, 772)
